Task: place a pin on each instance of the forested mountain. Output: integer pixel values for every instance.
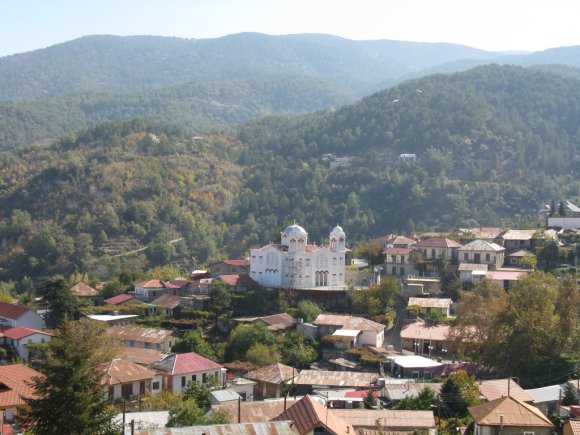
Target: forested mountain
(493, 144)
(195, 107)
(133, 63)
(206, 84)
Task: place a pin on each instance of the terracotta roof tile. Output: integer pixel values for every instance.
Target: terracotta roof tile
(12, 311)
(19, 332)
(15, 378)
(191, 362)
(82, 290)
(119, 299)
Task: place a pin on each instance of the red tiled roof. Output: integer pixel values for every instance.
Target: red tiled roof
(119, 299)
(15, 378)
(238, 280)
(574, 426)
(359, 394)
(240, 263)
(19, 332)
(192, 362)
(437, 242)
(12, 311)
(82, 290)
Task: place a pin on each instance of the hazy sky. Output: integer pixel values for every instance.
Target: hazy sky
(491, 24)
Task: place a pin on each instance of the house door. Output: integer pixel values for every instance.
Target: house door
(127, 391)
(476, 258)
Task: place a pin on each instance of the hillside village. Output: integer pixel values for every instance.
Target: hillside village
(306, 339)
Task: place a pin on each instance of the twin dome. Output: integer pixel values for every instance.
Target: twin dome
(294, 236)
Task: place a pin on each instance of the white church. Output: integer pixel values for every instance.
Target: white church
(295, 264)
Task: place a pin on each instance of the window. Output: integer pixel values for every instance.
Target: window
(155, 385)
(194, 378)
(528, 433)
(432, 253)
(487, 257)
(466, 256)
(183, 381)
(393, 258)
(204, 378)
(394, 270)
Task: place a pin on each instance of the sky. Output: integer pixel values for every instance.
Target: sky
(494, 25)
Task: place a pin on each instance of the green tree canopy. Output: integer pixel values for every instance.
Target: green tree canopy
(70, 398)
(308, 310)
(243, 337)
(62, 305)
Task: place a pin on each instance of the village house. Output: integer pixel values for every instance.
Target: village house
(310, 416)
(166, 305)
(508, 415)
(505, 277)
(389, 421)
(12, 315)
(141, 356)
(147, 338)
(237, 283)
(396, 392)
(367, 332)
(276, 323)
(412, 366)
(124, 380)
(425, 340)
(434, 248)
(471, 272)
(482, 252)
(271, 380)
(398, 262)
(179, 369)
(123, 299)
(149, 290)
(84, 291)
(229, 267)
(295, 264)
(15, 386)
(20, 338)
(514, 259)
(420, 286)
(515, 240)
(429, 305)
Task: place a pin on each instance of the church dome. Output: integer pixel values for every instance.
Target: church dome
(338, 231)
(295, 230)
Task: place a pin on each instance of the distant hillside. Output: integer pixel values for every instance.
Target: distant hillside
(195, 107)
(115, 64)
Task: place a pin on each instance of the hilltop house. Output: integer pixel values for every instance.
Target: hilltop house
(295, 264)
(19, 338)
(229, 267)
(126, 380)
(154, 288)
(362, 331)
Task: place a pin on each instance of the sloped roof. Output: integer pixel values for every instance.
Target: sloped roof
(397, 251)
(191, 362)
(278, 322)
(255, 412)
(156, 284)
(237, 280)
(335, 378)
(239, 263)
(348, 322)
(519, 234)
(308, 413)
(437, 242)
(83, 290)
(140, 355)
(419, 330)
(409, 389)
(264, 428)
(481, 245)
(497, 388)
(521, 253)
(273, 374)
(506, 275)
(12, 311)
(510, 412)
(19, 332)
(145, 335)
(15, 378)
(361, 418)
(168, 302)
(119, 299)
(430, 302)
(119, 371)
(574, 426)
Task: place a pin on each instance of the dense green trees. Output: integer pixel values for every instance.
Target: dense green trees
(69, 395)
(532, 332)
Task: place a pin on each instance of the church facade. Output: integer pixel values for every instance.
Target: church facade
(295, 264)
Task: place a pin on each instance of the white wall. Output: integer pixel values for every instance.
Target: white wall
(177, 379)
